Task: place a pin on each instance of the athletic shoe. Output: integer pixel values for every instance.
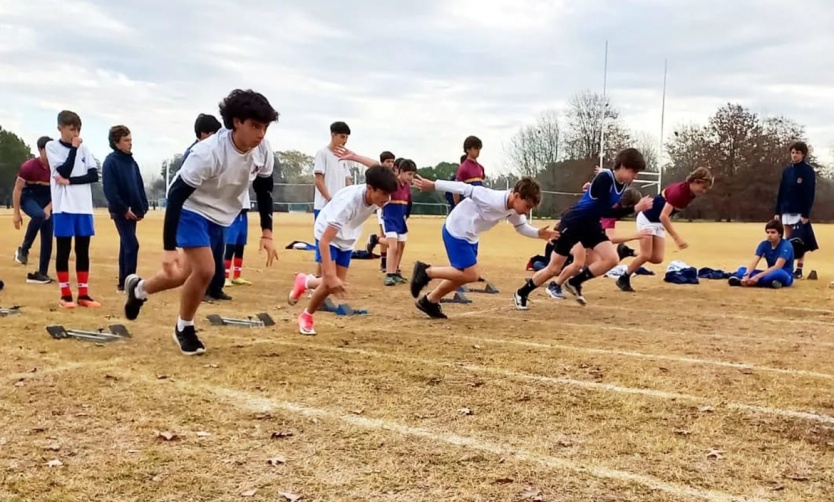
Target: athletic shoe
(227, 283)
(555, 291)
(189, 344)
(391, 280)
(38, 278)
(67, 303)
(419, 278)
(776, 284)
(576, 291)
(299, 286)
(433, 310)
(734, 281)
(373, 240)
(797, 274)
(132, 303)
(519, 301)
(220, 296)
(86, 301)
(399, 278)
(624, 283)
(305, 324)
(208, 299)
(21, 257)
(240, 281)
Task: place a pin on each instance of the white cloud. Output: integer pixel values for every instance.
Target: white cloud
(415, 78)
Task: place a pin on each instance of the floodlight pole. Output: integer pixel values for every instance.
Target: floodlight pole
(662, 120)
(604, 107)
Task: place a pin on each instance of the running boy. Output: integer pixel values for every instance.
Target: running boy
(338, 227)
(73, 171)
(658, 220)
(480, 210)
(394, 216)
(778, 253)
(581, 224)
(204, 198)
(32, 195)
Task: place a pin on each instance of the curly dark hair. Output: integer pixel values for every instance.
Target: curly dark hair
(246, 105)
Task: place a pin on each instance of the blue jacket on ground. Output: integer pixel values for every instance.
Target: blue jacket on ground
(123, 185)
(796, 190)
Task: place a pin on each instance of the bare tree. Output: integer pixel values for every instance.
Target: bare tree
(533, 147)
(588, 114)
(649, 147)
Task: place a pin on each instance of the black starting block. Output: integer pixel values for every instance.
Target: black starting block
(115, 332)
(457, 298)
(488, 289)
(9, 311)
(257, 321)
(341, 309)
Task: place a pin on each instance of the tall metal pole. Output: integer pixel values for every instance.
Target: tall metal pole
(604, 108)
(662, 119)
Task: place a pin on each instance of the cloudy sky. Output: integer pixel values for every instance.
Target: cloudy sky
(413, 77)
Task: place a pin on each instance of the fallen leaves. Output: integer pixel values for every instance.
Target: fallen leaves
(682, 432)
(20, 383)
(706, 409)
(212, 366)
(291, 497)
(281, 435)
(466, 412)
(165, 435)
(203, 434)
(715, 454)
(249, 493)
(276, 461)
(532, 494)
(52, 447)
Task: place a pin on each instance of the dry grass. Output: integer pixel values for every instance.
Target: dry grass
(623, 400)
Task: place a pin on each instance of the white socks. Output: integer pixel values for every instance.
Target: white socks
(181, 324)
(139, 291)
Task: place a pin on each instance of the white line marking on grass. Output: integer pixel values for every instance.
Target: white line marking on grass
(659, 394)
(254, 403)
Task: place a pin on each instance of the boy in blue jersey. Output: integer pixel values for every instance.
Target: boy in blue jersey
(394, 215)
(581, 224)
(778, 253)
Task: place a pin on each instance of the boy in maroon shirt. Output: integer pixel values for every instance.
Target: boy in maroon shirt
(394, 216)
(469, 171)
(32, 195)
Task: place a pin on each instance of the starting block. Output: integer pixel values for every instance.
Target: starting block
(116, 332)
(488, 289)
(342, 309)
(813, 276)
(457, 298)
(9, 311)
(257, 321)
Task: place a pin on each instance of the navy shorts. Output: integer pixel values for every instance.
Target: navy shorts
(342, 258)
(394, 226)
(196, 231)
(238, 232)
(73, 225)
(462, 254)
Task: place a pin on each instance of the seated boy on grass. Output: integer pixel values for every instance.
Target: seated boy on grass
(778, 253)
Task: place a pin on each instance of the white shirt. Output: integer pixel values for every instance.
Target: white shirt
(334, 170)
(221, 176)
(347, 211)
(75, 199)
(482, 209)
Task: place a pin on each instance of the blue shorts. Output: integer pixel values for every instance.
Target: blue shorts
(394, 225)
(342, 258)
(195, 231)
(462, 254)
(316, 214)
(73, 225)
(238, 232)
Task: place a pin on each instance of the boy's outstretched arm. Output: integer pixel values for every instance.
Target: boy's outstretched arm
(521, 226)
(345, 154)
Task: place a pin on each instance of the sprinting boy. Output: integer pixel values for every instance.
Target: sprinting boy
(331, 173)
(658, 221)
(394, 214)
(796, 195)
(73, 171)
(204, 198)
(338, 227)
(127, 201)
(778, 254)
(389, 160)
(33, 196)
(480, 209)
(581, 225)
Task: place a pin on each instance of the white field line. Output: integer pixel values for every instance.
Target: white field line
(605, 387)
(254, 403)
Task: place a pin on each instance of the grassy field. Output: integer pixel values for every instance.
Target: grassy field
(674, 393)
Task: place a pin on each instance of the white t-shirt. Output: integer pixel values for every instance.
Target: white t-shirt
(222, 175)
(482, 209)
(334, 170)
(347, 211)
(75, 199)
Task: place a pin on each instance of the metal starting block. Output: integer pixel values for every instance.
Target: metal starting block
(342, 309)
(115, 332)
(488, 289)
(9, 311)
(257, 321)
(457, 298)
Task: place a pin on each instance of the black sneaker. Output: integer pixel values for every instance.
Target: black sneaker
(38, 278)
(624, 283)
(797, 274)
(432, 310)
(576, 291)
(419, 278)
(373, 240)
(132, 303)
(519, 301)
(220, 296)
(21, 257)
(734, 281)
(189, 344)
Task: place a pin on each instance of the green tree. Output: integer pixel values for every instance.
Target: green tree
(292, 166)
(433, 202)
(13, 152)
(173, 166)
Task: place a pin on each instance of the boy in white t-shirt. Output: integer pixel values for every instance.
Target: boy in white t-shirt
(331, 173)
(338, 227)
(204, 198)
(480, 210)
(74, 170)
